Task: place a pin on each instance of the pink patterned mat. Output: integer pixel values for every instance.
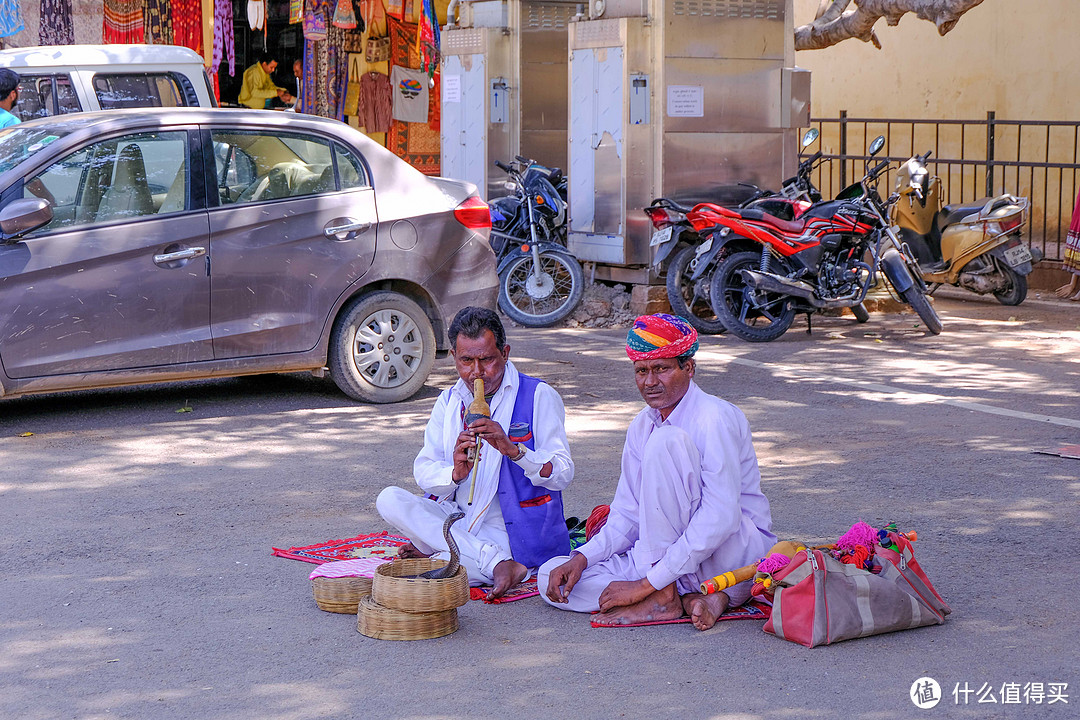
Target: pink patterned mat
(373, 545)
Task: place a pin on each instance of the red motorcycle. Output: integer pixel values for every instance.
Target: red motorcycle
(684, 233)
(773, 269)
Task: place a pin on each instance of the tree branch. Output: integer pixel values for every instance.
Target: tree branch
(836, 23)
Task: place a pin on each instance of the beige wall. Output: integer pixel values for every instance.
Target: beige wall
(1019, 59)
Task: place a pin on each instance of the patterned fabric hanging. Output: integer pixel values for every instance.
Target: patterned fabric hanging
(158, 18)
(337, 64)
(427, 38)
(123, 22)
(223, 37)
(187, 23)
(56, 26)
(11, 19)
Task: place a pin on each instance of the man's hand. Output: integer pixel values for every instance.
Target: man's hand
(563, 578)
(621, 593)
(282, 94)
(462, 463)
(492, 433)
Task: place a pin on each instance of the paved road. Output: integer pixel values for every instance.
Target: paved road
(138, 580)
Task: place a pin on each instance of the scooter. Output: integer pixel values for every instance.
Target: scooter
(976, 246)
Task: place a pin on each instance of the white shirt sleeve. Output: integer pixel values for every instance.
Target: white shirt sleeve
(434, 467)
(549, 437)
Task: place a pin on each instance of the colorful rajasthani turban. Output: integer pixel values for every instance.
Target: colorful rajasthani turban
(661, 336)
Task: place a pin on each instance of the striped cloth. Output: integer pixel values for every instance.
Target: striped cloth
(123, 22)
(660, 336)
(1072, 242)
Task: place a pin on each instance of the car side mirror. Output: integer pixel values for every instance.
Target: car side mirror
(23, 215)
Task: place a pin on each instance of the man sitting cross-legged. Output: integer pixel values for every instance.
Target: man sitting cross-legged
(515, 521)
(688, 505)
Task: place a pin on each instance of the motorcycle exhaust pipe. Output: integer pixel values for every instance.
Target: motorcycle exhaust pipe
(774, 283)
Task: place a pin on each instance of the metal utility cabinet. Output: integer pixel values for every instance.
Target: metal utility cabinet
(674, 98)
(504, 93)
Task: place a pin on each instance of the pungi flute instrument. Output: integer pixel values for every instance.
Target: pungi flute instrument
(477, 409)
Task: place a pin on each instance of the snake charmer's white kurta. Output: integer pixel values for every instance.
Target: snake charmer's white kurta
(688, 505)
(481, 535)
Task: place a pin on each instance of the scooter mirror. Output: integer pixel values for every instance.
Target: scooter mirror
(877, 144)
(810, 136)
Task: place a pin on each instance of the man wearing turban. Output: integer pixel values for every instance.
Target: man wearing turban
(688, 505)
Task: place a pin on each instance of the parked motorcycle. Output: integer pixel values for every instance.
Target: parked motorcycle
(689, 228)
(540, 281)
(976, 246)
(774, 268)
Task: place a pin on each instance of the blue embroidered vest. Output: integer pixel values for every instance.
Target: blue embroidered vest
(533, 515)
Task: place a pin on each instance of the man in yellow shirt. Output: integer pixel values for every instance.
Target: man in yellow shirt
(258, 90)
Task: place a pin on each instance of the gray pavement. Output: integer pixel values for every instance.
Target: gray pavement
(138, 579)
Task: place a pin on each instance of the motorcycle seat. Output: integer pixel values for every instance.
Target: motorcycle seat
(789, 226)
(955, 213)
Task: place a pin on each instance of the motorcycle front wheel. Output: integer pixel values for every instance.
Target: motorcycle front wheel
(734, 302)
(917, 300)
(690, 298)
(1018, 288)
(540, 300)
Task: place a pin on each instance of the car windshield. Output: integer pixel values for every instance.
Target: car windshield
(19, 142)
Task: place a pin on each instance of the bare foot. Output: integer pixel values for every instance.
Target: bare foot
(662, 604)
(507, 574)
(408, 550)
(1075, 297)
(705, 610)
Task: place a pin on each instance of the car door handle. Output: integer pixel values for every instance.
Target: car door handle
(333, 231)
(186, 254)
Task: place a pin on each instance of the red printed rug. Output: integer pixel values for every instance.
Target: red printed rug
(416, 143)
(362, 546)
(522, 590)
(753, 610)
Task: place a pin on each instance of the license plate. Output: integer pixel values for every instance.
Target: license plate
(1017, 255)
(704, 247)
(661, 236)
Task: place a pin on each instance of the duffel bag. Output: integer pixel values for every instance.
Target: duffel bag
(819, 600)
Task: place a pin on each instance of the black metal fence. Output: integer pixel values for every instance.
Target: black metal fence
(974, 158)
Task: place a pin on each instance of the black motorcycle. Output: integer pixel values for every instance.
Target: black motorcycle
(540, 281)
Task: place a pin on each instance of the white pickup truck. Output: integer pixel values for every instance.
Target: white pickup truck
(57, 80)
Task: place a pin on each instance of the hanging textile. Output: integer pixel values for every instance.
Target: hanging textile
(415, 143)
(427, 38)
(223, 37)
(158, 19)
(187, 23)
(56, 26)
(123, 22)
(376, 102)
(296, 11)
(344, 16)
(256, 12)
(337, 72)
(11, 19)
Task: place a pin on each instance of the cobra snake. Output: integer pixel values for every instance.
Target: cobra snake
(451, 567)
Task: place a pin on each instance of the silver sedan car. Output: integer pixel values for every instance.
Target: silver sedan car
(168, 244)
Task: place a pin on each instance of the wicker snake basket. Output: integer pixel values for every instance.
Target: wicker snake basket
(376, 621)
(418, 595)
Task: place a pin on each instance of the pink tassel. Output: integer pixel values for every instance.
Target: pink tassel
(859, 534)
(776, 561)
